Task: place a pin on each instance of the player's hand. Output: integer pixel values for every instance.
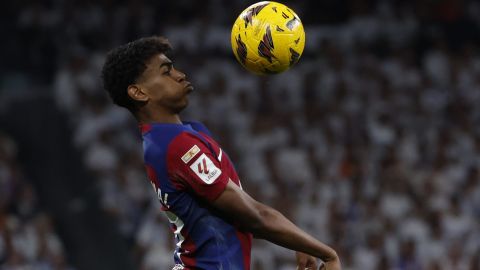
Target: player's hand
(305, 261)
(332, 265)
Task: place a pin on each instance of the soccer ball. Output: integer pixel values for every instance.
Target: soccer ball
(267, 38)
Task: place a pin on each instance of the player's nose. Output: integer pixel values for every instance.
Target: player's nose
(181, 76)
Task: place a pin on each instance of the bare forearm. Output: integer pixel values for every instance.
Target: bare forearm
(269, 224)
(281, 231)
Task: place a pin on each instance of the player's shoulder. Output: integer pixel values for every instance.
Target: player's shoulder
(162, 132)
(173, 139)
(158, 137)
(186, 141)
(198, 126)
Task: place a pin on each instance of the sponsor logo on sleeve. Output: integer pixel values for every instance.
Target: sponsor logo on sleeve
(190, 154)
(205, 169)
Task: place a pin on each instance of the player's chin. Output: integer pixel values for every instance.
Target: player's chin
(181, 105)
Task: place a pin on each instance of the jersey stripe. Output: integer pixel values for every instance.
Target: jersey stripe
(246, 243)
(220, 155)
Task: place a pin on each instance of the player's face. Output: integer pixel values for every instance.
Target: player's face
(164, 85)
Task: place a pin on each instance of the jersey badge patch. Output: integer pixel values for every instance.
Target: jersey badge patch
(190, 154)
(205, 169)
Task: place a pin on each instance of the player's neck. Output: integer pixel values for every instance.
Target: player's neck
(145, 118)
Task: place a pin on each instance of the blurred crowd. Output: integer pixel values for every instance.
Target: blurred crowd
(27, 236)
(371, 142)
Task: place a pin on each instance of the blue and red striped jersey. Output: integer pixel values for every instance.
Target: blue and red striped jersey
(188, 171)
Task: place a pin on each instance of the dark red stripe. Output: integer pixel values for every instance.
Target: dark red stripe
(188, 244)
(144, 128)
(246, 244)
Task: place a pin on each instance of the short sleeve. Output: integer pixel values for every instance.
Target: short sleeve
(192, 165)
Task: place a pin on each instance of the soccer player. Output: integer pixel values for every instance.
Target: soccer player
(212, 218)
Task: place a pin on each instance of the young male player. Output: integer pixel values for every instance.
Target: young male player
(212, 218)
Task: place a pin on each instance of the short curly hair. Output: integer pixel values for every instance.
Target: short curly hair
(125, 64)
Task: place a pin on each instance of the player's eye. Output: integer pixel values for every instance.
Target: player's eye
(168, 70)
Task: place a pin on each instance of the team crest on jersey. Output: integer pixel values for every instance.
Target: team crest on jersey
(205, 169)
(190, 154)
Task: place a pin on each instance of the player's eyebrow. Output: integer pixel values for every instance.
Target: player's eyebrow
(166, 64)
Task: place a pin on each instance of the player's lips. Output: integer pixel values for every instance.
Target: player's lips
(189, 87)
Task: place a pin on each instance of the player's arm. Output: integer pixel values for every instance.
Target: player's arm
(269, 224)
(192, 166)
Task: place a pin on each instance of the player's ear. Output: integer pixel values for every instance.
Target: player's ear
(136, 93)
